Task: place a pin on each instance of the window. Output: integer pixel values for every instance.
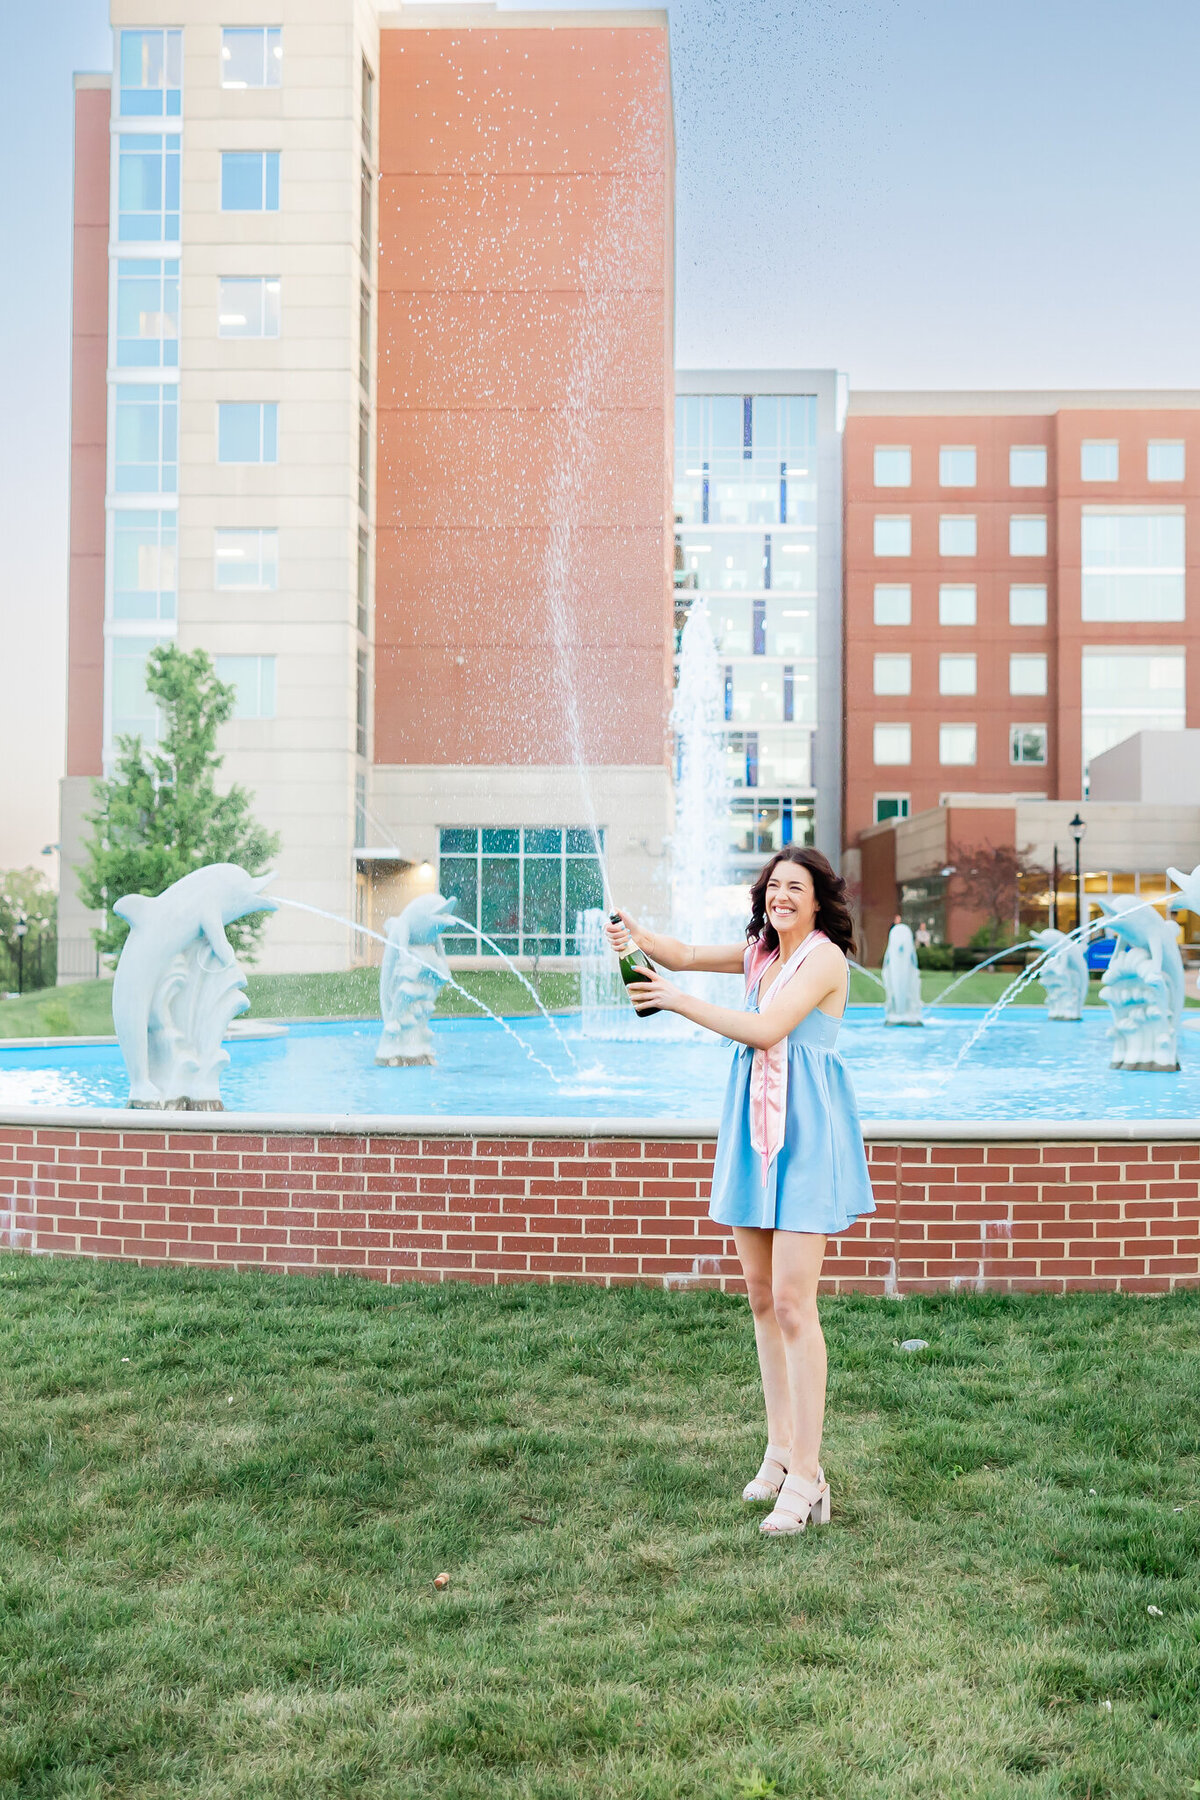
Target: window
(1027, 465)
(522, 885)
(893, 674)
(1026, 604)
(252, 679)
(364, 579)
(148, 189)
(248, 306)
(151, 82)
(956, 674)
(893, 535)
(893, 605)
(745, 562)
(143, 565)
(360, 814)
(1027, 674)
(251, 56)
(147, 314)
(1027, 744)
(779, 759)
(364, 219)
(890, 806)
(364, 337)
(956, 534)
(250, 181)
(364, 459)
(956, 466)
(1165, 460)
(1128, 690)
(1133, 564)
(893, 467)
(762, 823)
(956, 604)
(368, 105)
(132, 711)
(956, 745)
(362, 703)
(247, 431)
(746, 459)
(145, 447)
(1098, 461)
(247, 559)
(1027, 535)
(893, 744)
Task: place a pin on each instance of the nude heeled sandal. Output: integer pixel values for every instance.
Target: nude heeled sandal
(800, 1503)
(771, 1476)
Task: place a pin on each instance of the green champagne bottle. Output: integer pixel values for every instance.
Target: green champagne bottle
(635, 966)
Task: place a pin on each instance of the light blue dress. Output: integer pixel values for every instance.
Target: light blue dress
(818, 1181)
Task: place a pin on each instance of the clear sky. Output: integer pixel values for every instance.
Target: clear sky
(956, 193)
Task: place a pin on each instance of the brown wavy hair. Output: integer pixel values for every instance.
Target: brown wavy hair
(833, 915)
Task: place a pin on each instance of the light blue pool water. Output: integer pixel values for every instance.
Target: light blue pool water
(1025, 1067)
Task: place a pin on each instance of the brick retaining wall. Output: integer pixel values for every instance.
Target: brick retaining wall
(1009, 1214)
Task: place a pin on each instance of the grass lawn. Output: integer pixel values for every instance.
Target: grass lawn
(225, 1499)
(85, 1008)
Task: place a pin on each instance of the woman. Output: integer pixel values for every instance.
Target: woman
(790, 1167)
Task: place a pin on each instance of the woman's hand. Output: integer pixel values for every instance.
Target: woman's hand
(619, 935)
(654, 990)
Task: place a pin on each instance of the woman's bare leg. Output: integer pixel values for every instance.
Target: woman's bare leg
(754, 1252)
(796, 1258)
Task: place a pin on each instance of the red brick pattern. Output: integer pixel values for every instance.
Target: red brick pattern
(1006, 1216)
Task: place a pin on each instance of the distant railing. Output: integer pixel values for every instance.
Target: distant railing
(78, 959)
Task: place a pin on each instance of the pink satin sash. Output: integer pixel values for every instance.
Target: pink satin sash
(769, 1069)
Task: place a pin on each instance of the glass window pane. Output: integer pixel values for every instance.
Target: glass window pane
(893, 536)
(956, 674)
(1133, 564)
(147, 314)
(893, 744)
(581, 842)
(248, 306)
(253, 681)
(1165, 460)
(893, 467)
(542, 841)
(1128, 690)
(956, 604)
(1098, 461)
(247, 559)
(893, 674)
(1027, 744)
(1027, 466)
(893, 604)
(585, 889)
(1027, 536)
(500, 898)
(133, 712)
(956, 744)
(956, 466)
(454, 838)
(500, 840)
(543, 901)
(956, 534)
(458, 879)
(251, 56)
(1027, 605)
(1027, 674)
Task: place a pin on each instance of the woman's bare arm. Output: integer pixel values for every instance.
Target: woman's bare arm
(673, 953)
(821, 977)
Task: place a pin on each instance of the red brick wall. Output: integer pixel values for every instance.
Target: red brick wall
(1007, 1216)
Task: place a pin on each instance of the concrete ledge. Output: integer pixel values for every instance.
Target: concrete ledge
(473, 1125)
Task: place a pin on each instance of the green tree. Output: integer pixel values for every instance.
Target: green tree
(160, 816)
(26, 898)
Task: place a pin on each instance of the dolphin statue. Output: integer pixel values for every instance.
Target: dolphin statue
(155, 981)
(1143, 984)
(414, 968)
(1063, 975)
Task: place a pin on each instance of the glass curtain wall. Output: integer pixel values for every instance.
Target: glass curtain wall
(746, 540)
(523, 885)
(143, 401)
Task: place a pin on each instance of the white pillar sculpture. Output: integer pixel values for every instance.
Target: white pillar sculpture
(1143, 986)
(1187, 900)
(415, 969)
(901, 979)
(1064, 974)
(179, 986)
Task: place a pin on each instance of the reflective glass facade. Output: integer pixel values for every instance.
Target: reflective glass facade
(746, 491)
(522, 885)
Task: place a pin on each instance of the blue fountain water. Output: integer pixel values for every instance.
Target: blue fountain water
(1033, 1069)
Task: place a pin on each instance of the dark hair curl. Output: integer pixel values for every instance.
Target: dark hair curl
(833, 915)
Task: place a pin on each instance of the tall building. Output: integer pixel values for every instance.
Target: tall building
(758, 538)
(1017, 569)
(372, 399)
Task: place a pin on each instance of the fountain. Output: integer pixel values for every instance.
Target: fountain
(179, 985)
(1063, 972)
(901, 979)
(1143, 986)
(415, 969)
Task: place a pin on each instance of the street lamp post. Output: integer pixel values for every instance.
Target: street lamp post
(1077, 827)
(22, 928)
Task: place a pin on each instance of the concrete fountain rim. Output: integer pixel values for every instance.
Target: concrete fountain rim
(433, 1126)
